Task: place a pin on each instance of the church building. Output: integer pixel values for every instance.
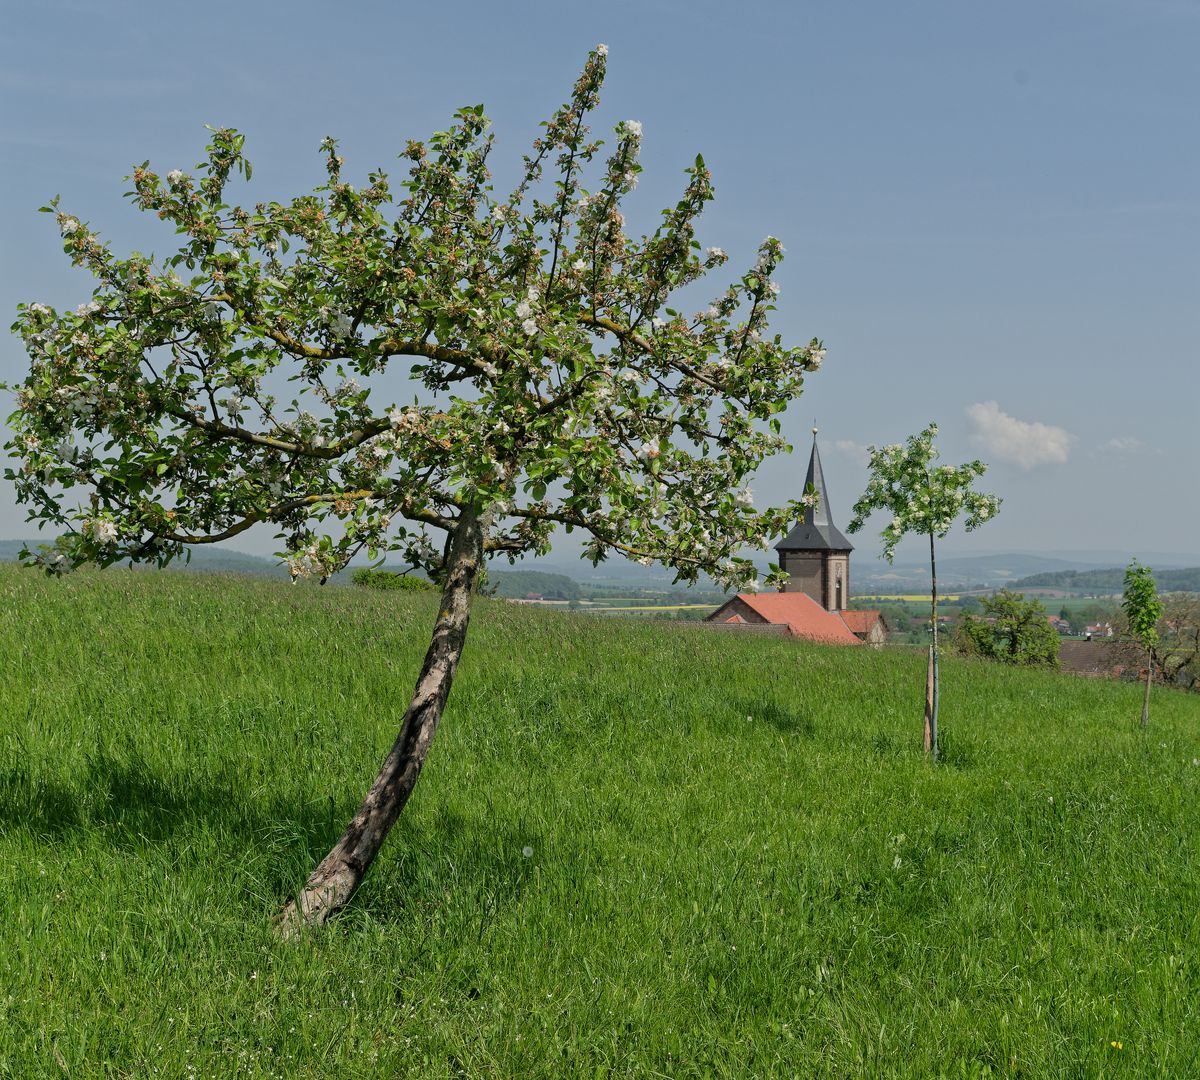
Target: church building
(814, 602)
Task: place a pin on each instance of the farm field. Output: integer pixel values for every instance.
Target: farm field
(738, 862)
(912, 598)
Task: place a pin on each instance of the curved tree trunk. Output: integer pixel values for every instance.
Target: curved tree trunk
(333, 882)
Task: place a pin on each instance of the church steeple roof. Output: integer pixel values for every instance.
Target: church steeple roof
(817, 531)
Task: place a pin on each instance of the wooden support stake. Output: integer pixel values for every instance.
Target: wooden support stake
(929, 705)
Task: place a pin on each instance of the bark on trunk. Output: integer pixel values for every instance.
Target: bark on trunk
(1146, 695)
(932, 744)
(333, 882)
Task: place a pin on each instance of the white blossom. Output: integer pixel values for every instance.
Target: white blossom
(69, 225)
(174, 177)
(103, 532)
(633, 127)
(715, 253)
(579, 265)
(745, 497)
(529, 326)
(524, 310)
(602, 49)
(490, 370)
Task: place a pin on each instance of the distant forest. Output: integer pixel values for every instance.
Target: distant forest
(1108, 581)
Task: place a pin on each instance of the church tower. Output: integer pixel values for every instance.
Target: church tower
(815, 554)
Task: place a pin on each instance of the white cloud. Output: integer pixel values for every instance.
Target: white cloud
(1018, 442)
(1125, 444)
(857, 452)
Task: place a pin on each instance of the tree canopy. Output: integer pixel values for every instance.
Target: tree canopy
(1141, 605)
(922, 498)
(1013, 630)
(237, 381)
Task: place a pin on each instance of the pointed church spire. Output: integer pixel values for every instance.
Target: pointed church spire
(816, 532)
(818, 515)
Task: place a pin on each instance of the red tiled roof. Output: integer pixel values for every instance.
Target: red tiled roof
(802, 615)
(860, 622)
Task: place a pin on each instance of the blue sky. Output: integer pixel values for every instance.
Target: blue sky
(991, 211)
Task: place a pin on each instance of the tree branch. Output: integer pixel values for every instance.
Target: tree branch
(266, 515)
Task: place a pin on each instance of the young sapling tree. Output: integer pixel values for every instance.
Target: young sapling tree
(242, 380)
(1143, 609)
(927, 500)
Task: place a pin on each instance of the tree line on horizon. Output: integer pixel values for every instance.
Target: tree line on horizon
(1109, 580)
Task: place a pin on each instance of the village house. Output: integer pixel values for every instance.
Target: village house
(813, 603)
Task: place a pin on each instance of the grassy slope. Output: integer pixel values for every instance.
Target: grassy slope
(741, 866)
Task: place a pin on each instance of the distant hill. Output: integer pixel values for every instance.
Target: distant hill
(1109, 580)
(569, 581)
(955, 571)
(517, 584)
(204, 560)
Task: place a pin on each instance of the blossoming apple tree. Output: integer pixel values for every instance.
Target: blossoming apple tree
(927, 500)
(551, 385)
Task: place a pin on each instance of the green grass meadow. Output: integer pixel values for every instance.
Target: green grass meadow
(741, 864)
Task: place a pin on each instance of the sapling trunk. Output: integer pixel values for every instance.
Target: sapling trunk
(333, 882)
(1146, 694)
